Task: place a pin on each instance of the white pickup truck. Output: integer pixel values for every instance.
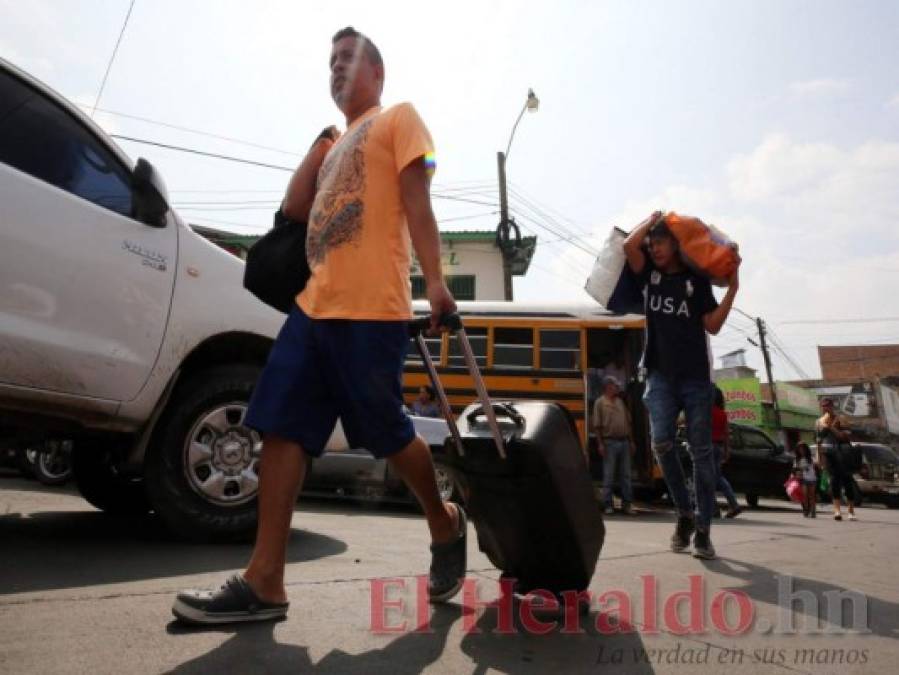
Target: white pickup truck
(120, 327)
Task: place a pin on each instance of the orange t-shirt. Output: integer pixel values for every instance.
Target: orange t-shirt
(358, 243)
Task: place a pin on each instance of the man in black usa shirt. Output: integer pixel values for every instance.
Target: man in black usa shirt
(680, 313)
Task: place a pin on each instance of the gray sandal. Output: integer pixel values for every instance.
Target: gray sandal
(448, 564)
(235, 601)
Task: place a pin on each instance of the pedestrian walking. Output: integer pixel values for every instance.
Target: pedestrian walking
(615, 444)
(804, 470)
(721, 450)
(340, 353)
(830, 433)
(680, 313)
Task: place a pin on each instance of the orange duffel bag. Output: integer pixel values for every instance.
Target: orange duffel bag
(703, 247)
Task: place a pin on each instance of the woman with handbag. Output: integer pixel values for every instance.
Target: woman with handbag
(830, 435)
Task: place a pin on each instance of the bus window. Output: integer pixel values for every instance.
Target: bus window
(434, 345)
(560, 350)
(513, 347)
(478, 339)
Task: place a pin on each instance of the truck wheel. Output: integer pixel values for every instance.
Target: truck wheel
(53, 465)
(447, 483)
(752, 501)
(202, 464)
(25, 461)
(101, 484)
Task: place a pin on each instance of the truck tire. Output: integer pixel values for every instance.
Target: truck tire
(447, 482)
(25, 460)
(201, 464)
(101, 484)
(54, 466)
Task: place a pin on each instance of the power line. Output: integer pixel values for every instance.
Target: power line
(483, 190)
(592, 254)
(882, 319)
(740, 311)
(545, 208)
(228, 222)
(189, 130)
(227, 208)
(441, 188)
(566, 233)
(112, 58)
(790, 360)
(468, 217)
(437, 195)
(570, 238)
(227, 191)
(226, 203)
(192, 151)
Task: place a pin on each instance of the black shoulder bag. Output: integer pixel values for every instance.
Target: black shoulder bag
(277, 269)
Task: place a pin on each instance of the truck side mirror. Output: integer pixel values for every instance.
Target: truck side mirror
(150, 195)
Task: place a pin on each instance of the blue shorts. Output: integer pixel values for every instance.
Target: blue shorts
(322, 369)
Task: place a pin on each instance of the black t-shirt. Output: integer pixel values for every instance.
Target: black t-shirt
(676, 342)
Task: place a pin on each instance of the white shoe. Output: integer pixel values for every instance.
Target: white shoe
(852, 517)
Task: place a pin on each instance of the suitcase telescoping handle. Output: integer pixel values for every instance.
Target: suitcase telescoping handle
(500, 410)
(417, 328)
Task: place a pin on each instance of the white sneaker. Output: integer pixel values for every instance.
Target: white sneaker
(852, 517)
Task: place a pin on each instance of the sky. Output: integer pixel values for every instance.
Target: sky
(776, 121)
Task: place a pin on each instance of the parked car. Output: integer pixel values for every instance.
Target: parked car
(122, 329)
(346, 471)
(878, 479)
(758, 467)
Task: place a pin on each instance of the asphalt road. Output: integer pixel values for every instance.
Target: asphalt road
(83, 593)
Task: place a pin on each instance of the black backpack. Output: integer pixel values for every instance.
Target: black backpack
(277, 269)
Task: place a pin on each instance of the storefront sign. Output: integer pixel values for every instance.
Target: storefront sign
(890, 408)
(743, 400)
(796, 399)
(852, 400)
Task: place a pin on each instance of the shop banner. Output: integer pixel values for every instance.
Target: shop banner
(890, 408)
(743, 400)
(851, 400)
(796, 399)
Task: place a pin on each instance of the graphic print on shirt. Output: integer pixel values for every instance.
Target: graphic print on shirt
(667, 306)
(338, 208)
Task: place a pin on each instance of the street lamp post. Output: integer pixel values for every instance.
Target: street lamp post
(503, 237)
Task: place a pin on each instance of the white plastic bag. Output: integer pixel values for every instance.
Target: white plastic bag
(607, 269)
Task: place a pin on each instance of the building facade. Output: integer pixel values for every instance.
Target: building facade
(859, 362)
(472, 261)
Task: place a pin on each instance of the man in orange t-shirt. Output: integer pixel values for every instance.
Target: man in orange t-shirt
(365, 197)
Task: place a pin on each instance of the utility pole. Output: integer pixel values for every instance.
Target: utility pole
(504, 241)
(503, 229)
(760, 324)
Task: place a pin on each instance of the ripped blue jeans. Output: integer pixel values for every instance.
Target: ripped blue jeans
(665, 397)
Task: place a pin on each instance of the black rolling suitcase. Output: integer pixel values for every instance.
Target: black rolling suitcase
(526, 484)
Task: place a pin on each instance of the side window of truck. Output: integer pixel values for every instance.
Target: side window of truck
(41, 139)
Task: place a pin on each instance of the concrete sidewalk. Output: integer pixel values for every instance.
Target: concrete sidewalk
(82, 593)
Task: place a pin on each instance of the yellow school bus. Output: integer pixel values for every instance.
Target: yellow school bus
(546, 352)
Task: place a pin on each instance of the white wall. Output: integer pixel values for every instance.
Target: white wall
(482, 259)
